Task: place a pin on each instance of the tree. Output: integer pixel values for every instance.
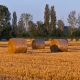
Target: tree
(78, 21)
(5, 17)
(6, 32)
(14, 23)
(40, 29)
(21, 27)
(14, 20)
(47, 16)
(60, 25)
(22, 30)
(76, 33)
(57, 33)
(25, 17)
(0, 32)
(53, 18)
(66, 31)
(32, 29)
(72, 20)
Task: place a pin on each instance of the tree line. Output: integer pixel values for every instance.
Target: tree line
(26, 28)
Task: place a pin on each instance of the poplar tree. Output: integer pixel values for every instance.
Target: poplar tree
(14, 23)
(47, 17)
(53, 18)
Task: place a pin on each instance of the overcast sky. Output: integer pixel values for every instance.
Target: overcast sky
(36, 8)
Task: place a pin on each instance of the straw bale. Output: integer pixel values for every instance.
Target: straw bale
(38, 44)
(17, 45)
(59, 45)
(73, 40)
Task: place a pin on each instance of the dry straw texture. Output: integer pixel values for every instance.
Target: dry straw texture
(59, 45)
(73, 40)
(38, 44)
(69, 40)
(43, 66)
(32, 39)
(17, 45)
(78, 39)
(29, 40)
(49, 39)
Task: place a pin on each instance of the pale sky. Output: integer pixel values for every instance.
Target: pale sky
(36, 8)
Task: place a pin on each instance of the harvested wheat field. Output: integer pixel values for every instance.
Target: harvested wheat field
(40, 64)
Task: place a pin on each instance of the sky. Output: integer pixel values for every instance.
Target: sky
(37, 7)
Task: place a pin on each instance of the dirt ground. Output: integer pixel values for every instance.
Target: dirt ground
(40, 64)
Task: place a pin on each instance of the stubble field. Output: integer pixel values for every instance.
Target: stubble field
(40, 64)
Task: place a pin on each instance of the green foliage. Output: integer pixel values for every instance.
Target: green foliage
(14, 24)
(6, 32)
(14, 20)
(40, 29)
(78, 21)
(76, 34)
(0, 32)
(53, 18)
(27, 28)
(5, 27)
(4, 16)
(57, 33)
(25, 18)
(72, 20)
(66, 31)
(60, 25)
(21, 27)
(32, 29)
(47, 17)
(23, 35)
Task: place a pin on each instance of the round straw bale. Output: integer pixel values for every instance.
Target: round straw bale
(38, 44)
(73, 40)
(17, 45)
(59, 45)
